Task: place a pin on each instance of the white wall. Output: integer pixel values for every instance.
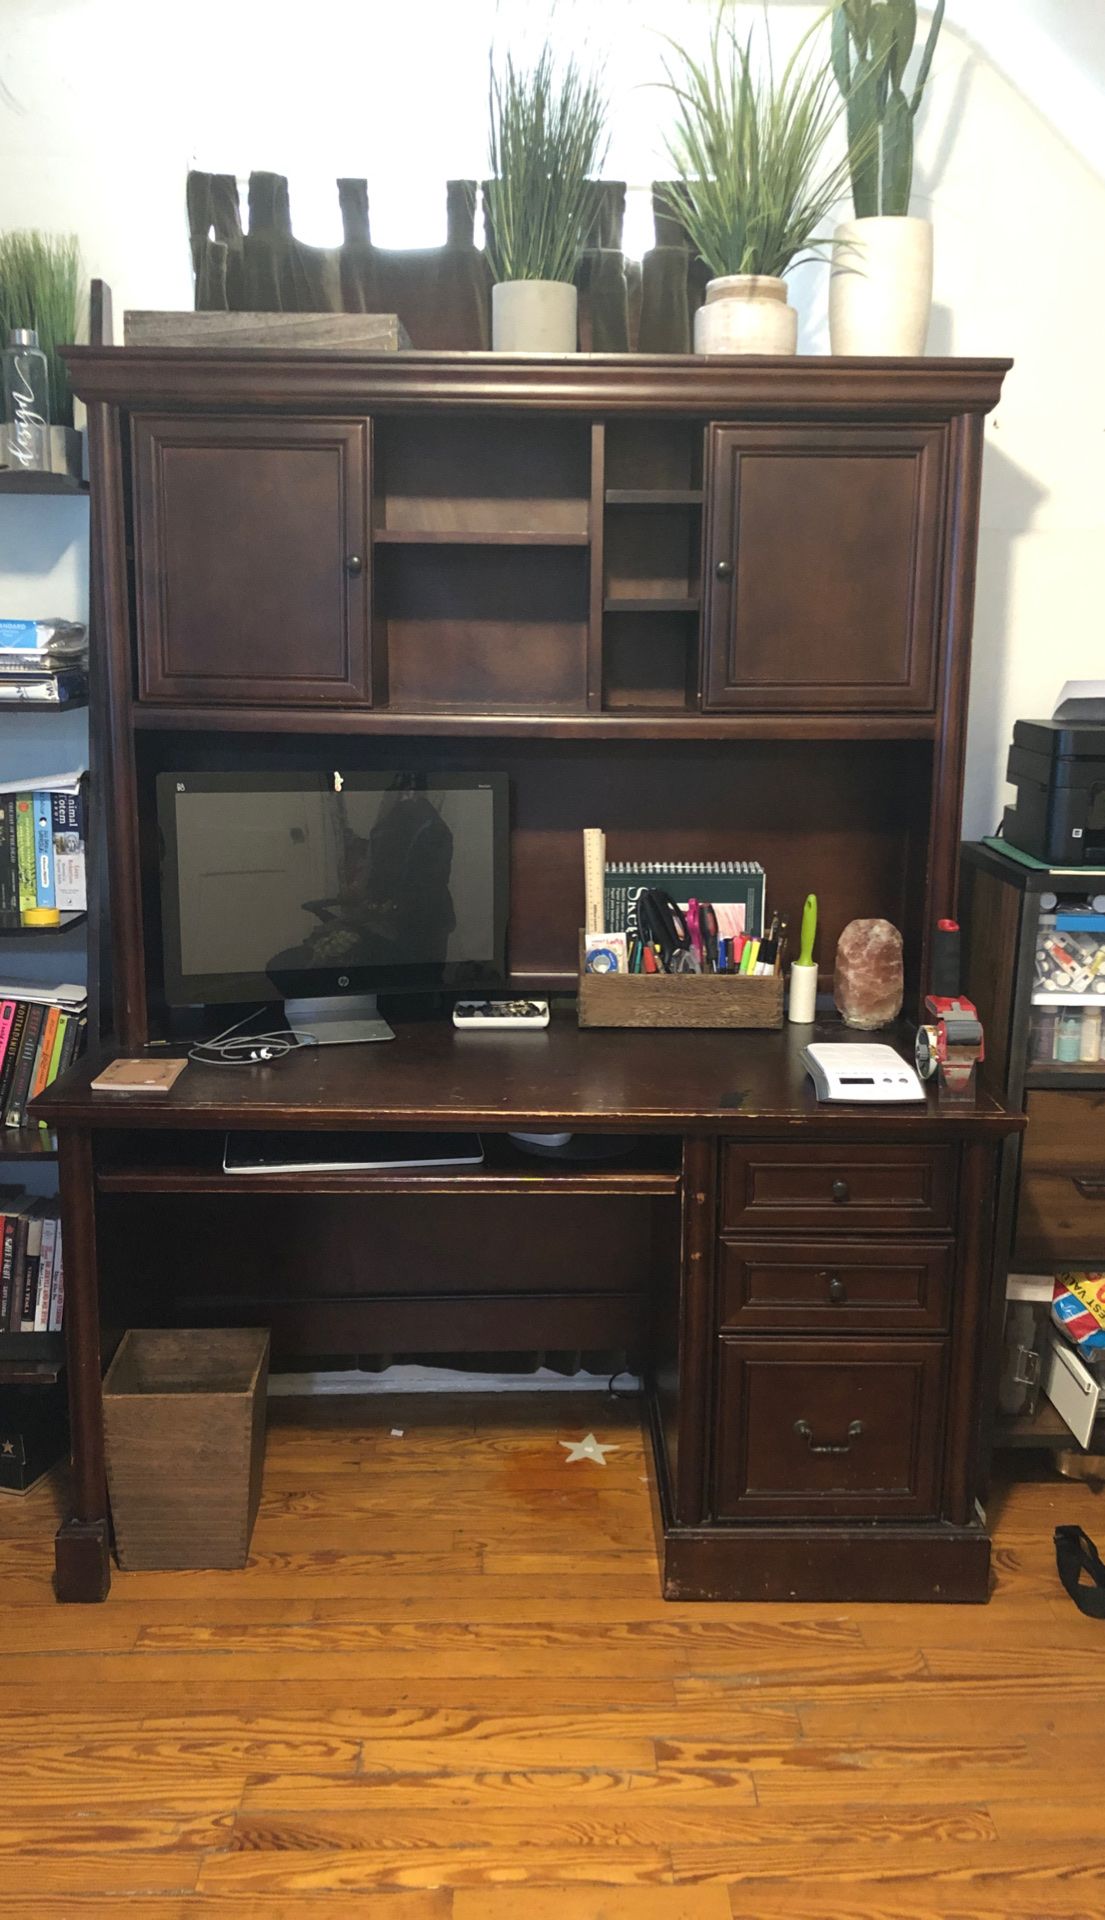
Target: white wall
(115, 98)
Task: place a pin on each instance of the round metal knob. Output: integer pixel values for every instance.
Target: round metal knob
(838, 1292)
(354, 564)
(724, 570)
(840, 1189)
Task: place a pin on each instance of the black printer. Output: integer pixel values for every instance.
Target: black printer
(1058, 769)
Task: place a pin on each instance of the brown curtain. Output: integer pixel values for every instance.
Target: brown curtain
(442, 295)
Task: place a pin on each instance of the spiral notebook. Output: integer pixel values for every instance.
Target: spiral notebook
(738, 883)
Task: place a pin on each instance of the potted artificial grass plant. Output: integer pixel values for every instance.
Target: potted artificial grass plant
(547, 139)
(40, 288)
(755, 180)
(880, 294)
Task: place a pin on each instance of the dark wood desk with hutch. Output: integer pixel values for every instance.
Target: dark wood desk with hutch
(721, 608)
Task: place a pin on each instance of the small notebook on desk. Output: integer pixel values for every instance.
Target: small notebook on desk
(138, 1076)
(737, 883)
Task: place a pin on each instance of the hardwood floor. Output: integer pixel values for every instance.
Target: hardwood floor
(446, 1688)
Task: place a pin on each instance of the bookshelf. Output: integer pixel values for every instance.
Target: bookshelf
(44, 570)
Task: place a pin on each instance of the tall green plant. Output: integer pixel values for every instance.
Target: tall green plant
(40, 287)
(546, 141)
(872, 47)
(751, 149)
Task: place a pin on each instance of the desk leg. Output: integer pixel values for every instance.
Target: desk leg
(81, 1546)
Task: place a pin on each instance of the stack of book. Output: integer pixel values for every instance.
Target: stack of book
(32, 1281)
(43, 662)
(41, 1032)
(42, 863)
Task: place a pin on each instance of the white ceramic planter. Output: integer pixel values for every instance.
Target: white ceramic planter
(746, 313)
(880, 290)
(533, 316)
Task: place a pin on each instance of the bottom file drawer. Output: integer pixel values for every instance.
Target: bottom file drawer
(829, 1429)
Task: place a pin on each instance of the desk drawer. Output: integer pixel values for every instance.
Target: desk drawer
(842, 1286)
(844, 1188)
(829, 1429)
(1061, 1215)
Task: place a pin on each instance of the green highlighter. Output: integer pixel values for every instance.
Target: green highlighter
(809, 931)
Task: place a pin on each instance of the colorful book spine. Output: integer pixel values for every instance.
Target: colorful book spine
(28, 1053)
(32, 1254)
(70, 879)
(11, 1056)
(7, 1016)
(57, 1289)
(45, 896)
(7, 1249)
(19, 1253)
(40, 1079)
(25, 850)
(50, 1228)
(9, 863)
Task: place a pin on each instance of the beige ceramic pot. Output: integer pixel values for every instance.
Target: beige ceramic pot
(746, 313)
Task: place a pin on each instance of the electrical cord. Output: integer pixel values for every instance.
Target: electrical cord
(232, 1048)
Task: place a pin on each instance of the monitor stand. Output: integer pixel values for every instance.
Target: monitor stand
(337, 1021)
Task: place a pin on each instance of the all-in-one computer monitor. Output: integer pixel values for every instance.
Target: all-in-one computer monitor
(325, 889)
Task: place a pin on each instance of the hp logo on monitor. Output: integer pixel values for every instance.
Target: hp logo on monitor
(343, 979)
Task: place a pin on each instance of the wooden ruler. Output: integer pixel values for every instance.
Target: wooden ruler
(594, 879)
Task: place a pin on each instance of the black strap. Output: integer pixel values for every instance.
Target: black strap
(1076, 1554)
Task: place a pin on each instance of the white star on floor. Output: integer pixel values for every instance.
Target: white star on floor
(588, 1449)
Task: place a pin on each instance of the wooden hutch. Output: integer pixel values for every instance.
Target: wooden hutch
(722, 609)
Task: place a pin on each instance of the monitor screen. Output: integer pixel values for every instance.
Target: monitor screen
(280, 885)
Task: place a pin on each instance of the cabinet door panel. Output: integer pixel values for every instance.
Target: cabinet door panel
(823, 568)
(831, 1429)
(253, 570)
(1061, 1216)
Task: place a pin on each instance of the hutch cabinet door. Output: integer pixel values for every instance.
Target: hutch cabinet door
(822, 568)
(251, 560)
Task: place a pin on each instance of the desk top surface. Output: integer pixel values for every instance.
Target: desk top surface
(433, 1076)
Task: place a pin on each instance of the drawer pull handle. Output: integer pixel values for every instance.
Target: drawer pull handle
(838, 1292)
(1089, 1188)
(805, 1432)
(839, 1190)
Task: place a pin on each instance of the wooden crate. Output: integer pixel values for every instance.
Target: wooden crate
(184, 1430)
(305, 332)
(679, 999)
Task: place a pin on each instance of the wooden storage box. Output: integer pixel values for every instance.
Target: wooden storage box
(678, 999)
(184, 1431)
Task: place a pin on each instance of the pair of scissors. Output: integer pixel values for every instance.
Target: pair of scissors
(660, 923)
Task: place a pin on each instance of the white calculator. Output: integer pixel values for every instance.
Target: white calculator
(869, 1071)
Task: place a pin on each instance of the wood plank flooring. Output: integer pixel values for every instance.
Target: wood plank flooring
(446, 1688)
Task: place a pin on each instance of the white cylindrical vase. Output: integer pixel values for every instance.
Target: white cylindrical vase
(880, 289)
(533, 316)
(746, 313)
(802, 1004)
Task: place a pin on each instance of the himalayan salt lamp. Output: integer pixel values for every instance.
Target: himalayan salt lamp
(867, 980)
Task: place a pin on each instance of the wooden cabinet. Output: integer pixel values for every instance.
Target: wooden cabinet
(822, 567)
(251, 544)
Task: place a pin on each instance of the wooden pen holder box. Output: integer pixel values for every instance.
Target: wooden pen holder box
(678, 999)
